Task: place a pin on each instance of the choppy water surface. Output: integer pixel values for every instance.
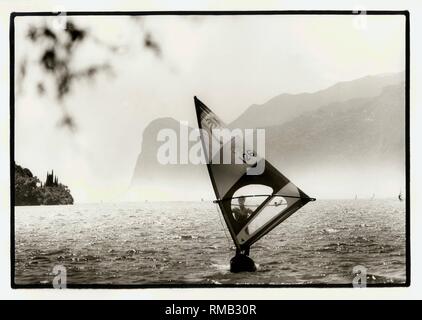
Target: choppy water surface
(175, 243)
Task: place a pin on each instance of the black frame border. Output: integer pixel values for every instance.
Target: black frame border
(13, 15)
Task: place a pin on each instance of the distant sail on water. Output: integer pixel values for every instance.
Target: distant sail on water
(252, 205)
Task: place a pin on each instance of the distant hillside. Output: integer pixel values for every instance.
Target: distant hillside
(361, 132)
(29, 191)
(355, 143)
(286, 107)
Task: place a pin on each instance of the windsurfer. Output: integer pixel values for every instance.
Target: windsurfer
(241, 215)
(228, 179)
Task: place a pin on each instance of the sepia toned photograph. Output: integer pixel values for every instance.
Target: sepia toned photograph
(209, 150)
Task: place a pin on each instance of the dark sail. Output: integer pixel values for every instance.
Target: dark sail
(251, 204)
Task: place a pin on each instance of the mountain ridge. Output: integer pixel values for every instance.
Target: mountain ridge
(368, 86)
(363, 136)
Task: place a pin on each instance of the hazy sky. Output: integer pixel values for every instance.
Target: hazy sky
(228, 62)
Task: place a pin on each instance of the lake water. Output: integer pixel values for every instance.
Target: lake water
(186, 243)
